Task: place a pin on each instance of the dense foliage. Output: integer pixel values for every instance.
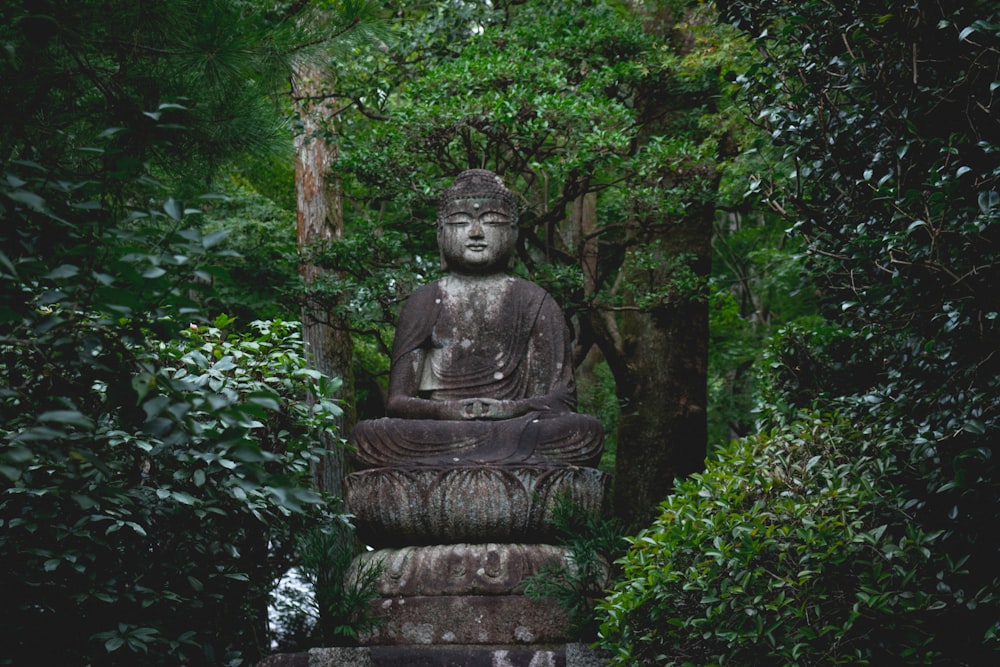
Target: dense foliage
(793, 547)
(592, 543)
(154, 459)
(147, 483)
(759, 286)
(129, 416)
(883, 116)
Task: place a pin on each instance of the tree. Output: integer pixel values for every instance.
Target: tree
(151, 468)
(319, 214)
(883, 118)
(320, 220)
(886, 117)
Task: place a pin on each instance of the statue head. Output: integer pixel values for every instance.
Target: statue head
(477, 224)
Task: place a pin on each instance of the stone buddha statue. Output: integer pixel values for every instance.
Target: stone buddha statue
(481, 371)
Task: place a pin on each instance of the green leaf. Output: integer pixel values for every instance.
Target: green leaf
(139, 530)
(28, 198)
(214, 238)
(67, 417)
(63, 271)
(85, 502)
(183, 497)
(142, 384)
(7, 264)
(975, 427)
(265, 401)
(226, 363)
(174, 209)
(114, 643)
(18, 454)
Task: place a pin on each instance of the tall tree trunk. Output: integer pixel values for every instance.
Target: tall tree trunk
(663, 427)
(327, 339)
(662, 374)
(580, 239)
(320, 220)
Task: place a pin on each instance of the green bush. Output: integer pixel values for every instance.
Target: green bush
(153, 470)
(592, 542)
(792, 548)
(323, 601)
(889, 176)
(810, 362)
(152, 528)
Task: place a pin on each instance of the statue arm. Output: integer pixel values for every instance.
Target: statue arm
(404, 386)
(405, 403)
(550, 353)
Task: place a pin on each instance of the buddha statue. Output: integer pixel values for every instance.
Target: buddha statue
(481, 370)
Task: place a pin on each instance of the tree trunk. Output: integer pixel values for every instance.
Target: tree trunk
(663, 427)
(320, 221)
(662, 377)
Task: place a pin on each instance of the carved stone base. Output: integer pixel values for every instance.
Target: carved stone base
(448, 655)
(467, 536)
(458, 569)
(467, 619)
(400, 506)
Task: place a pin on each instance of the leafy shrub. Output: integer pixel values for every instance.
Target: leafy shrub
(323, 601)
(151, 474)
(792, 548)
(896, 192)
(593, 543)
(810, 362)
(153, 469)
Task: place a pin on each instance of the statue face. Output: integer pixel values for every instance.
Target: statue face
(476, 236)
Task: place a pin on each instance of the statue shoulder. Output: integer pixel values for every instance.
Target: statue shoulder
(529, 288)
(528, 291)
(424, 295)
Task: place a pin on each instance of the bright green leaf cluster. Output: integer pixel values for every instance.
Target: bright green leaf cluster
(792, 548)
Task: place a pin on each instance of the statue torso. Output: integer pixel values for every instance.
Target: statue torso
(481, 337)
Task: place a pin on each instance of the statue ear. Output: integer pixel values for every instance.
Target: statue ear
(441, 258)
(513, 248)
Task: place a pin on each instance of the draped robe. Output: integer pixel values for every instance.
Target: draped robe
(505, 340)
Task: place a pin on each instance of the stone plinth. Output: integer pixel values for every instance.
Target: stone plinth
(568, 655)
(459, 569)
(399, 506)
(467, 619)
(455, 545)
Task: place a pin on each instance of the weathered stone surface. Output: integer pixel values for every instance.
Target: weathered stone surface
(285, 660)
(467, 619)
(569, 655)
(482, 365)
(459, 569)
(582, 655)
(473, 504)
(465, 656)
(340, 656)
